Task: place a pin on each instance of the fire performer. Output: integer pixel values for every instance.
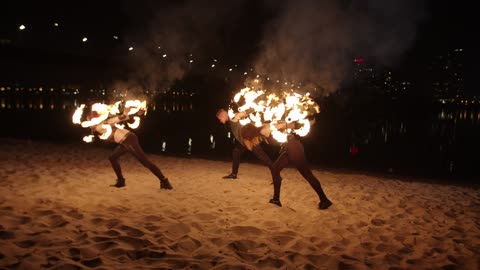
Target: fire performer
(127, 142)
(291, 152)
(239, 148)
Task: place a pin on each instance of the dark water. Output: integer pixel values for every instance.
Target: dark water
(440, 141)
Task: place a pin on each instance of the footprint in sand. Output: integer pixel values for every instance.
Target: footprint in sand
(116, 252)
(34, 178)
(57, 221)
(153, 228)
(281, 240)
(246, 230)
(130, 231)
(248, 250)
(67, 266)
(119, 209)
(74, 254)
(145, 253)
(74, 213)
(386, 248)
(177, 230)
(206, 216)
(92, 263)
(271, 262)
(43, 213)
(51, 261)
(133, 242)
(112, 223)
(295, 258)
(152, 218)
(378, 222)
(25, 243)
(97, 221)
(105, 245)
(112, 233)
(186, 244)
(5, 235)
(393, 259)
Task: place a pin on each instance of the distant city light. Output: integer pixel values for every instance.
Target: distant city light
(84, 39)
(213, 65)
(164, 55)
(191, 61)
(130, 49)
(22, 27)
(230, 69)
(55, 24)
(115, 37)
(358, 60)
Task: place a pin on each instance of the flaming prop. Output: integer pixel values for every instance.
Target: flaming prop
(106, 111)
(262, 108)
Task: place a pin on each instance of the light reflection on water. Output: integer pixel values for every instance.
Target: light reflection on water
(444, 130)
(68, 104)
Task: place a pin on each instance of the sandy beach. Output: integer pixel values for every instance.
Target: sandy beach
(57, 211)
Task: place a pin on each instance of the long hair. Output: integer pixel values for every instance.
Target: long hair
(251, 136)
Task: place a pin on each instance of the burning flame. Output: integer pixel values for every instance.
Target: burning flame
(106, 111)
(273, 109)
(77, 116)
(135, 106)
(135, 124)
(107, 133)
(88, 139)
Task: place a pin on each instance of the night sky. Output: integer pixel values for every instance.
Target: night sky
(302, 40)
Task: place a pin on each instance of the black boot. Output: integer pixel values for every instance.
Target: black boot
(324, 204)
(165, 184)
(277, 202)
(120, 183)
(230, 176)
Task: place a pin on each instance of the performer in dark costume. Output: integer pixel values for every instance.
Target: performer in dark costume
(239, 148)
(292, 152)
(127, 142)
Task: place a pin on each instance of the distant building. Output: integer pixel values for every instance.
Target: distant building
(380, 80)
(446, 74)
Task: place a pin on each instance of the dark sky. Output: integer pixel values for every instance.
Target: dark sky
(281, 37)
(443, 23)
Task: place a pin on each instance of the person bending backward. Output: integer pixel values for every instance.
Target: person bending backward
(239, 148)
(127, 142)
(291, 152)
